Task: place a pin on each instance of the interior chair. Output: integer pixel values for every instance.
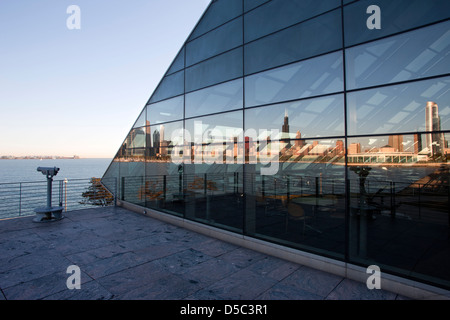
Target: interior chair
(296, 212)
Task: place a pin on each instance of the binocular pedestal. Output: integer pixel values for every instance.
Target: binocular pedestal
(48, 213)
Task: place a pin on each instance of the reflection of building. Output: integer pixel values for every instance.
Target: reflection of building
(285, 127)
(258, 70)
(354, 148)
(435, 142)
(417, 143)
(285, 134)
(396, 142)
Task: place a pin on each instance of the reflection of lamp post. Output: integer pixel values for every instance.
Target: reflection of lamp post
(362, 172)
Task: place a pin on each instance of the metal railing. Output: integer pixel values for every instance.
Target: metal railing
(19, 199)
(429, 201)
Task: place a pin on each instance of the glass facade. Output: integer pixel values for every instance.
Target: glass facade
(297, 123)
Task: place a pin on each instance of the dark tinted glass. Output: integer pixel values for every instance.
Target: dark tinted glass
(398, 202)
(310, 38)
(141, 121)
(222, 97)
(178, 63)
(170, 86)
(214, 129)
(300, 119)
(412, 55)
(250, 4)
(303, 79)
(396, 16)
(219, 12)
(222, 68)
(167, 110)
(217, 41)
(279, 14)
(399, 108)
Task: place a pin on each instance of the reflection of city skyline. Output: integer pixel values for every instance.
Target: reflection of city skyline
(434, 144)
(409, 148)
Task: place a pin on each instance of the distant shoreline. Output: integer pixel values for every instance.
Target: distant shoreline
(47, 158)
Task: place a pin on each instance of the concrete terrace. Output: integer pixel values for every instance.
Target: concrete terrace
(124, 255)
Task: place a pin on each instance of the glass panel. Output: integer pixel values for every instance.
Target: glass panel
(295, 43)
(213, 170)
(163, 136)
(250, 4)
(417, 54)
(160, 189)
(140, 122)
(170, 86)
(214, 129)
(300, 119)
(217, 41)
(131, 158)
(136, 138)
(213, 195)
(399, 108)
(222, 68)
(222, 97)
(279, 14)
(308, 78)
(303, 203)
(178, 63)
(167, 110)
(218, 12)
(396, 16)
(111, 177)
(399, 206)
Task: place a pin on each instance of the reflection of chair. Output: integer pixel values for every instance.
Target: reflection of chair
(296, 212)
(262, 202)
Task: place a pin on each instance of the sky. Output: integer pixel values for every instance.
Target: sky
(66, 92)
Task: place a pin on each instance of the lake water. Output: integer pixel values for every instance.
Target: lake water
(25, 170)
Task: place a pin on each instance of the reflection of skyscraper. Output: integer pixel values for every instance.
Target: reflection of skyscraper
(148, 139)
(298, 142)
(285, 132)
(417, 143)
(285, 128)
(156, 142)
(396, 142)
(354, 148)
(434, 141)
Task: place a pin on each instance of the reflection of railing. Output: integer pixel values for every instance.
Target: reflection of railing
(21, 198)
(385, 197)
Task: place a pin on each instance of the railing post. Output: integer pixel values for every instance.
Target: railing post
(288, 188)
(165, 187)
(123, 189)
(20, 198)
(115, 191)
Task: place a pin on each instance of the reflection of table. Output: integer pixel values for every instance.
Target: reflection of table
(314, 201)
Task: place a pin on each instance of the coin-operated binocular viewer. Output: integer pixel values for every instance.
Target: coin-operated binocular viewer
(48, 213)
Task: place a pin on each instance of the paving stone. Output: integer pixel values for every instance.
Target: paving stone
(286, 292)
(353, 290)
(241, 285)
(43, 287)
(124, 255)
(91, 290)
(314, 281)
